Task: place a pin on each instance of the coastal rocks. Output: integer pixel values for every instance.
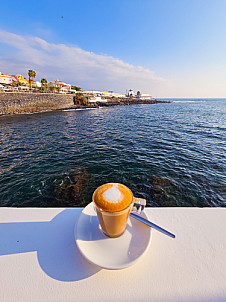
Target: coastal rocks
(72, 190)
(162, 191)
(126, 101)
(80, 100)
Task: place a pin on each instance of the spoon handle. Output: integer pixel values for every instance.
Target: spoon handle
(151, 224)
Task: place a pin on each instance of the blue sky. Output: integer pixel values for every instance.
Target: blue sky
(174, 48)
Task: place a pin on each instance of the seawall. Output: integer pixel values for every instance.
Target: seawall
(24, 102)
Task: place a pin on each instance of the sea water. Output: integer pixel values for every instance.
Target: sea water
(172, 154)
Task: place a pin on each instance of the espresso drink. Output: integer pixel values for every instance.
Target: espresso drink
(113, 203)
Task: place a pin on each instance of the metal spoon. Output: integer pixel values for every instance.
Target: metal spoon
(151, 224)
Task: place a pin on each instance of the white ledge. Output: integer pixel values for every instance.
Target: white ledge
(39, 260)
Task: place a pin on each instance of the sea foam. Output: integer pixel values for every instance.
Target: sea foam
(113, 194)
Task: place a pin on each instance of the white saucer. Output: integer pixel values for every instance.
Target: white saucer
(111, 253)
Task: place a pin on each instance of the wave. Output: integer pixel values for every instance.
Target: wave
(189, 101)
(78, 109)
(86, 109)
(184, 101)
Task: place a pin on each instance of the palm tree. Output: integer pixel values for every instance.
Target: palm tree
(44, 84)
(31, 75)
(43, 81)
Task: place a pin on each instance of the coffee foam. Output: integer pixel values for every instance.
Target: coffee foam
(113, 194)
(112, 197)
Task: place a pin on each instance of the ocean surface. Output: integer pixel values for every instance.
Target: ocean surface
(172, 154)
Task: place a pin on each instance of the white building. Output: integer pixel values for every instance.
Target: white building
(93, 92)
(145, 96)
(38, 84)
(64, 87)
(130, 92)
(114, 94)
(23, 88)
(6, 78)
(95, 99)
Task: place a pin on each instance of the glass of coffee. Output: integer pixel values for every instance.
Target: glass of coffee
(113, 203)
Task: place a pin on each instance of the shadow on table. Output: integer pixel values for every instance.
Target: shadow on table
(54, 242)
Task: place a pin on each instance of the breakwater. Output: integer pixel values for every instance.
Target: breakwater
(15, 103)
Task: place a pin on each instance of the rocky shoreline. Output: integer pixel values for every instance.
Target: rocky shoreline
(126, 101)
(19, 103)
(117, 102)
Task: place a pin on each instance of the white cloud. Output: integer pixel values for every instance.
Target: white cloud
(73, 64)
(88, 70)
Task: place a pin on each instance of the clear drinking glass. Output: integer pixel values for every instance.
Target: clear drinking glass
(113, 224)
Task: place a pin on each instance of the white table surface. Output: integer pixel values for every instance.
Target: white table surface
(39, 260)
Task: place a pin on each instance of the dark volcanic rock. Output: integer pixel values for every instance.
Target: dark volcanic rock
(73, 189)
(161, 191)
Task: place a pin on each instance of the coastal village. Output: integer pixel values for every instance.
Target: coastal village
(20, 94)
(19, 83)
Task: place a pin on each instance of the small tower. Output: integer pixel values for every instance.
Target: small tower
(130, 92)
